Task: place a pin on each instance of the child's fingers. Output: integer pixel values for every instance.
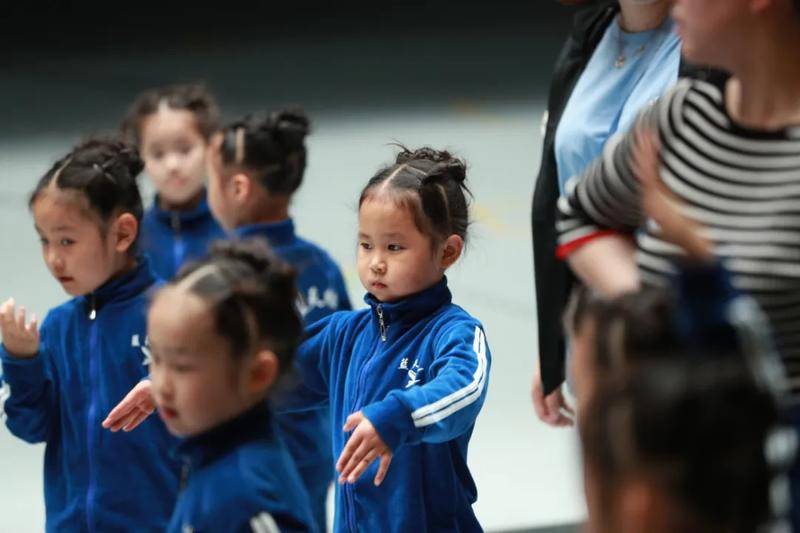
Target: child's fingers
(383, 468)
(32, 327)
(356, 458)
(352, 421)
(352, 445)
(137, 419)
(20, 320)
(118, 413)
(362, 466)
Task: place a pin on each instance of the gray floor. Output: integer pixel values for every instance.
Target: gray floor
(486, 108)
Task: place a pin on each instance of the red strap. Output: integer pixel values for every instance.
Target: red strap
(565, 250)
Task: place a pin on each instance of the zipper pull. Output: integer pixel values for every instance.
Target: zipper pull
(186, 469)
(382, 324)
(93, 310)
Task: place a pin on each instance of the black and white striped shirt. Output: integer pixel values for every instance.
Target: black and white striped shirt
(742, 185)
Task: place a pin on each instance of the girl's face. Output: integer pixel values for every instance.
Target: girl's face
(712, 31)
(174, 154)
(77, 253)
(394, 258)
(196, 383)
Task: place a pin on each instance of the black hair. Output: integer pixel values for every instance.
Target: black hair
(270, 145)
(193, 97)
(629, 329)
(431, 183)
(253, 296)
(102, 170)
(699, 430)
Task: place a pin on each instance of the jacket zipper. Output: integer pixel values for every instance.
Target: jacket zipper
(178, 246)
(383, 329)
(91, 413)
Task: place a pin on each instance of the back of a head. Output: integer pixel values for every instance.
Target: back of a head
(697, 431)
(253, 296)
(271, 146)
(432, 185)
(101, 170)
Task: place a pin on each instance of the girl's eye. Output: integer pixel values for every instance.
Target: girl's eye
(365, 245)
(43, 241)
(395, 247)
(66, 242)
(181, 369)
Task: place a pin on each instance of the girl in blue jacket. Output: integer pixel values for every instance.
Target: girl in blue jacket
(255, 166)
(90, 350)
(221, 335)
(406, 377)
(172, 126)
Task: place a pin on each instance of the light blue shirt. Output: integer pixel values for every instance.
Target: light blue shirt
(609, 96)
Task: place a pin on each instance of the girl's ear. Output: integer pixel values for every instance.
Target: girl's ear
(124, 232)
(264, 371)
(451, 251)
(241, 187)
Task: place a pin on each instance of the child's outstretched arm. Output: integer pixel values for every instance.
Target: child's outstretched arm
(440, 410)
(32, 403)
(312, 367)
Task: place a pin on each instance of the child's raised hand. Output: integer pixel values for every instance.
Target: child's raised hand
(137, 405)
(20, 337)
(362, 448)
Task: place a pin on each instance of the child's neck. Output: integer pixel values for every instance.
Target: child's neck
(269, 211)
(182, 207)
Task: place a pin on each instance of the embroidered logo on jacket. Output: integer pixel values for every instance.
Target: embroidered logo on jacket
(414, 373)
(135, 343)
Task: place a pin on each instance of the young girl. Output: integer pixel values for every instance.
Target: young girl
(172, 126)
(255, 166)
(90, 351)
(405, 378)
(212, 365)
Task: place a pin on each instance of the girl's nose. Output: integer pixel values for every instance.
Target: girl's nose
(378, 267)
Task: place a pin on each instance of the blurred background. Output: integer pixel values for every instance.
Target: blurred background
(468, 76)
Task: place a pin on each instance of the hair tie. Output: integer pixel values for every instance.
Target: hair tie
(239, 146)
(58, 172)
(103, 172)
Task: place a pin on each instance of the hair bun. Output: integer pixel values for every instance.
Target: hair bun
(290, 127)
(445, 165)
(129, 157)
(110, 153)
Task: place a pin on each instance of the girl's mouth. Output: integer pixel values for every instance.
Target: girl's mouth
(65, 279)
(378, 285)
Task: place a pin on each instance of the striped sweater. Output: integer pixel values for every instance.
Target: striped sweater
(741, 185)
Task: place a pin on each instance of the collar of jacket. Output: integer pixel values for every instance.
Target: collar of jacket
(199, 212)
(412, 308)
(277, 233)
(254, 424)
(126, 286)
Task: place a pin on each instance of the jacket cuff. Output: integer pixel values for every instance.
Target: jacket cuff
(22, 370)
(391, 419)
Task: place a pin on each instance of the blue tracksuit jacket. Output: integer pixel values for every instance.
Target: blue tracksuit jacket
(170, 238)
(240, 479)
(92, 353)
(418, 369)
